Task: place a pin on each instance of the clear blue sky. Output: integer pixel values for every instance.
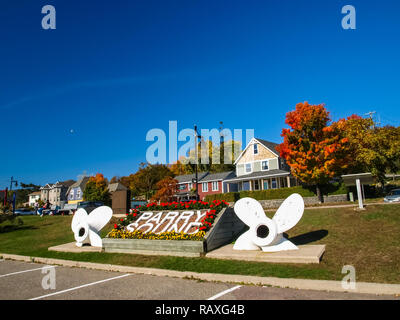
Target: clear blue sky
(113, 70)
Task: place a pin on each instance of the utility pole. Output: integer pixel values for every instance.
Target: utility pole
(370, 113)
(196, 136)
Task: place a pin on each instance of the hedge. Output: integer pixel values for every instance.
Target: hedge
(269, 194)
(282, 193)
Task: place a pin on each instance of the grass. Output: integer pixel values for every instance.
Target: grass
(368, 240)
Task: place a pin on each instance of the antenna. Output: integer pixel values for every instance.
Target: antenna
(370, 113)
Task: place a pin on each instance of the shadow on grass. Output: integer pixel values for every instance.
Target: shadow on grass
(309, 237)
(11, 228)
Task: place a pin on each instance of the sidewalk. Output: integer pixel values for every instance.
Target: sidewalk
(302, 284)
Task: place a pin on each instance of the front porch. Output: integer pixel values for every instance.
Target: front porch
(261, 181)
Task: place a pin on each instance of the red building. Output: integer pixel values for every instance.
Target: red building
(209, 183)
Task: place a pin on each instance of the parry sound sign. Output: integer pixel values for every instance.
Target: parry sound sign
(177, 232)
(187, 222)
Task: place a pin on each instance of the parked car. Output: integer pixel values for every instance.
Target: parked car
(393, 196)
(136, 203)
(24, 212)
(89, 206)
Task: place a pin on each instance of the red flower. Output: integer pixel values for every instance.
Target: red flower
(115, 226)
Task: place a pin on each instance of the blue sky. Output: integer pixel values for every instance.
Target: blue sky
(81, 98)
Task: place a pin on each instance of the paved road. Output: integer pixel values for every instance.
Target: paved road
(22, 281)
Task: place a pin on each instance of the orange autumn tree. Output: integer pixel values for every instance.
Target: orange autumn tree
(315, 150)
(96, 189)
(166, 189)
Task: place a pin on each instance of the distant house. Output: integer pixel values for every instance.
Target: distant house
(209, 183)
(55, 193)
(44, 192)
(33, 198)
(259, 167)
(75, 191)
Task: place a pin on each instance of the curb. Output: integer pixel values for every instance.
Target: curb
(303, 284)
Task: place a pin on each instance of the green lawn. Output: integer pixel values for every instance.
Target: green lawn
(369, 240)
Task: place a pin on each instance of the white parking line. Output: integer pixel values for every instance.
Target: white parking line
(79, 287)
(18, 272)
(223, 293)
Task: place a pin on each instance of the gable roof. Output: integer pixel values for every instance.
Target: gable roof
(205, 176)
(189, 177)
(112, 187)
(271, 146)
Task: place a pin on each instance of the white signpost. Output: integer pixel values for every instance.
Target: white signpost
(358, 180)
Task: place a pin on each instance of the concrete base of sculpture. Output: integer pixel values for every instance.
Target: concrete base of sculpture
(304, 254)
(72, 247)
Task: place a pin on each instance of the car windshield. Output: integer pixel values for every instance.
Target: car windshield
(395, 193)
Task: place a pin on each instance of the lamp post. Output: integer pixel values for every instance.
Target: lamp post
(13, 181)
(14, 195)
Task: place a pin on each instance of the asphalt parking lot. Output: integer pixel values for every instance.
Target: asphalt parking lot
(33, 281)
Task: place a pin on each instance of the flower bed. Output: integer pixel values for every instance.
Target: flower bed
(213, 208)
(122, 234)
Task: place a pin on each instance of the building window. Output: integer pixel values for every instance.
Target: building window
(264, 165)
(78, 194)
(190, 186)
(248, 167)
(256, 185)
(182, 187)
(266, 185)
(215, 186)
(255, 148)
(204, 186)
(273, 183)
(246, 185)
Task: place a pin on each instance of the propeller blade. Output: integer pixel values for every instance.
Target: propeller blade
(95, 240)
(289, 213)
(79, 217)
(249, 211)
(99, 217)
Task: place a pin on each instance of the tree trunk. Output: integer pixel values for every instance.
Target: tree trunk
(319, 194)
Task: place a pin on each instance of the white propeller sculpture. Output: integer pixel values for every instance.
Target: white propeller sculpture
(265, 232)
(86, 227)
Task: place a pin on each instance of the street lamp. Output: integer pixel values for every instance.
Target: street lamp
(13, 181)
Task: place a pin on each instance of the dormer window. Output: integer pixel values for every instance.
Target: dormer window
(255, 148)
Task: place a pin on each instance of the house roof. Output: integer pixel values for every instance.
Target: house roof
(36, 193)
(112, 187)
(206, 176)
(259, 174)
(218, 176)
(268, 144)
(66, 183)
(80, 183)
(190, 177)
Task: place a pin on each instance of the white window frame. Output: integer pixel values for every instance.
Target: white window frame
(245, 167)
(202, 186)
(255, 148)
(262, 168)
(212, 186)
